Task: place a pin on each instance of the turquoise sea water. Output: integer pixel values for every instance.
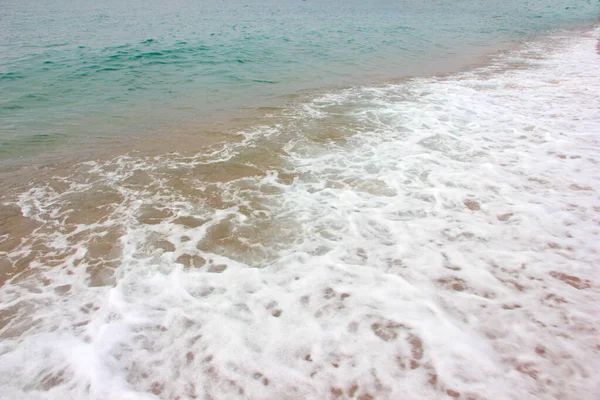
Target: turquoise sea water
(73, 71)
(299, 200)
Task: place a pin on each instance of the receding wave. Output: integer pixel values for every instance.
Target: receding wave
(435, 237)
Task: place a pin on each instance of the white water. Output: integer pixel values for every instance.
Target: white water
(442, 241)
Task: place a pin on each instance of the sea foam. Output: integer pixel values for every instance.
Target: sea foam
(429, 239)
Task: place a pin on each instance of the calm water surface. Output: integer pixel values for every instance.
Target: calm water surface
(78, 71)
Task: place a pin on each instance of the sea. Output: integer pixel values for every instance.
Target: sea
(287, 199)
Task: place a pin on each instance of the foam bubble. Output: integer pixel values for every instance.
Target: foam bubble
(431, 238)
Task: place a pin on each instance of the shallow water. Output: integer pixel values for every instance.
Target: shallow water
(77, 74)
(226, 200)
(432, 238)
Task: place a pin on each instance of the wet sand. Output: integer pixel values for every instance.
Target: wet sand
(296, 222)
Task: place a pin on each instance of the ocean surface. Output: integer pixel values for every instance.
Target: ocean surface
(299, 200)
(74, 72)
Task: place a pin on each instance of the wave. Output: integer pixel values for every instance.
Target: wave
(435, 237)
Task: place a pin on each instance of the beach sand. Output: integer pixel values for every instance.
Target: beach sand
(431, 238)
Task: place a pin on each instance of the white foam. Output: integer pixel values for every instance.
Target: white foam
(437, 237)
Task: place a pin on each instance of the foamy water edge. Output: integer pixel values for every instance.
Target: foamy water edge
(430, 239)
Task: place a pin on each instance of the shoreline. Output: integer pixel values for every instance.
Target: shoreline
(78, 148)
(445, 224)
